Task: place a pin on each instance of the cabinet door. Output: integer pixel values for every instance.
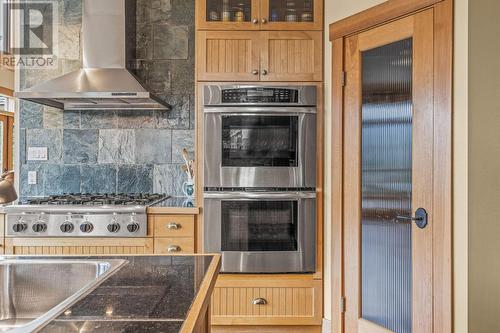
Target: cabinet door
(228, 15)
(291, 56)
(2, 227)
(266, 300)
(78, 246)
(291, 14)
(228, 56)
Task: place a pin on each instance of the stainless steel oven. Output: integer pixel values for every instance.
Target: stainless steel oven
(262, 232)
(260, 136)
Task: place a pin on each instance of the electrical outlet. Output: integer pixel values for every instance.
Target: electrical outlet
(32, 178)
(37, 154)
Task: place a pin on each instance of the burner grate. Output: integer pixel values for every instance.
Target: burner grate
(86, 199)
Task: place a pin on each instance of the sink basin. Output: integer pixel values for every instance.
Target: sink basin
(34, 291)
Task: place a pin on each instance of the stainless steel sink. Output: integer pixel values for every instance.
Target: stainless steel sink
(34, 291)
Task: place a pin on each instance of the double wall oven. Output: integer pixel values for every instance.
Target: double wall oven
(260, 177)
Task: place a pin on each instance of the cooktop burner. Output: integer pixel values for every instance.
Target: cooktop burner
(122, 199)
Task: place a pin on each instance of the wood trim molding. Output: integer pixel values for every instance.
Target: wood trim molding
(387, 11)
(7, 92)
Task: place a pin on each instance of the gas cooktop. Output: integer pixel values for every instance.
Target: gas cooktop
(139, 199)
(81, 215)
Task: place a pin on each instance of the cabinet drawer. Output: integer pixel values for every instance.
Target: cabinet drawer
(174, 226)
(267, 301)
(174, 245)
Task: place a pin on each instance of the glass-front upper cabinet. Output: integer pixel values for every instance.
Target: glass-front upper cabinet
(260, 15)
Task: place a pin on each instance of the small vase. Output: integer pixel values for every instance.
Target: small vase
(188, 189)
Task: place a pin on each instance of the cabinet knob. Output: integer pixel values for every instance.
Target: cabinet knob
(259, 301)
(255, 21)
(173, 226)
(264, 72)
(173, 248)
(264, 21)
(255, 72)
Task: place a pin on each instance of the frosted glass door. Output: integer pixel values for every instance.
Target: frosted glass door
(388, 177)
(386, 183)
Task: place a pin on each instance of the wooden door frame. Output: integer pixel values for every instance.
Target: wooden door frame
(442, 280)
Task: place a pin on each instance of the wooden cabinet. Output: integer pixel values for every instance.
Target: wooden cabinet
(228, 56)
(267, 300)
(174, 234)
(260, 56)
(259, 14)
(78, 246)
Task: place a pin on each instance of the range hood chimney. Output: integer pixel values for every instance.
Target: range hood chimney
(104, 82)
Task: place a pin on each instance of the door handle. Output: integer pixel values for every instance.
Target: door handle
(173, 248)
(173, 226)
(255, 72)
(264, 72)
(259, 301)
(421, 218)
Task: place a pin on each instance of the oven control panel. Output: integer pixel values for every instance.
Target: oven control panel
(260, 95)
(76, 225)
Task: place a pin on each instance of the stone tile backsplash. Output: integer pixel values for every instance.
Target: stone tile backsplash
(117, 151)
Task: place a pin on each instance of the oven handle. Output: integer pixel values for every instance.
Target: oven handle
(259, 110)
(259, 195)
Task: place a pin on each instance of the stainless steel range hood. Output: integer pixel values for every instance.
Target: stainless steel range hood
(104, 82)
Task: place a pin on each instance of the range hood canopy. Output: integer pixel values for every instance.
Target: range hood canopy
(104, 83)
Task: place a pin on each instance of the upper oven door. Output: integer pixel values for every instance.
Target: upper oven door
(260, 147)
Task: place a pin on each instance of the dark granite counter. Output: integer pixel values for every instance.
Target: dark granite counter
(148, 294)
(175, 205)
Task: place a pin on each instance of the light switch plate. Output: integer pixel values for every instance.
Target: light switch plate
(37, 154)
(32, 178)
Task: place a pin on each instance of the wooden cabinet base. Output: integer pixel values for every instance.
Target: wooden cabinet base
(266, 329)
(78, 246)
(267, 300)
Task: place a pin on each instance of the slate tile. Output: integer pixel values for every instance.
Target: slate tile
(68, 41)
(22, 146)
(153, 146)
(178, 117)
(31, 115)
(159, 77)
(161, 10)
(182, 12)
(143, 11)
(135, 119)
(171, 42)
(60, 179)
(168, 179)
(135, 179)
(52, 117)
(116, 146)
(144, 46)
(98, 119)
(182, 139)
(31, 190)
(80, 146)
(50, 138)
(72, 11)
(182, 77)
(71, 119)
(99, 178)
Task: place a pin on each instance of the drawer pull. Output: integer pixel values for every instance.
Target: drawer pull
(174, 248)
(259, 301)
(173, 226)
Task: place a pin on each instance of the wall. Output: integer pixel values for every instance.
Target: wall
(6, 79)
(484, 165)
(338, 9)
(117, 151)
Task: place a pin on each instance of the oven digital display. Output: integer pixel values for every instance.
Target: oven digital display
(260, 95)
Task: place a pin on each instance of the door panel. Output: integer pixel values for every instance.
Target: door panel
(228, 56)
(388, 174)
(291, 56)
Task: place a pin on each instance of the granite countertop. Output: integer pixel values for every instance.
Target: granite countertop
(175, 205)
(148, 294)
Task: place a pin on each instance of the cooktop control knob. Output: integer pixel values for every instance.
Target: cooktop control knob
(86, 227)
(20, 227)
(39, 226)
(113, 227)
(67, 227)
(133, 227)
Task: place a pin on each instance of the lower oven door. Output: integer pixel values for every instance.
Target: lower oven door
(272, 232)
